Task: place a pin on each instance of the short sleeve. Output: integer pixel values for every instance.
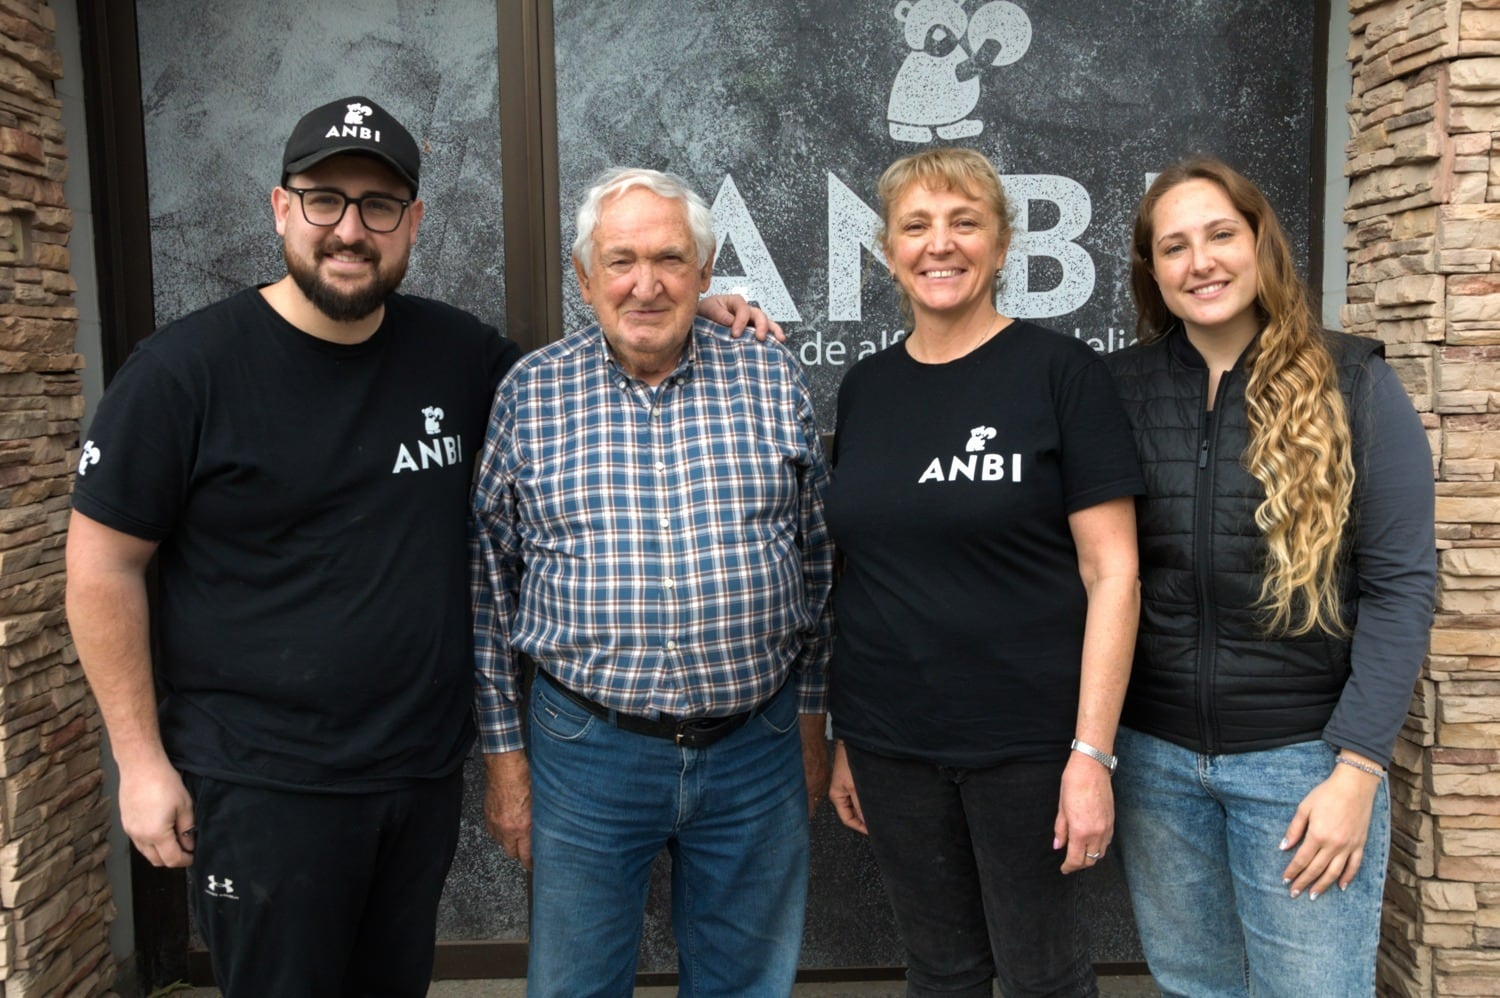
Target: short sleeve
(1099, 460)
(136, 465)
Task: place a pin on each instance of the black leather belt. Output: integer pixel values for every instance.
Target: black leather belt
(696, 732)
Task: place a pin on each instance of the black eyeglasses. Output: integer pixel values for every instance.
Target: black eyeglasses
(378, 212)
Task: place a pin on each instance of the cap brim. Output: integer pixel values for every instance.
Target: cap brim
(309, 161)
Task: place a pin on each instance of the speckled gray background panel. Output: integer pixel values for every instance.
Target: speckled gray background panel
(222, 84)
(486, 894)
(795, 100)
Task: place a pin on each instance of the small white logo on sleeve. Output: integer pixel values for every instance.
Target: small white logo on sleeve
(90, 456)
(221, 887)
(978, 437)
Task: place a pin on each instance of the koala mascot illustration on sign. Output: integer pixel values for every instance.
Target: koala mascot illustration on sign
(938, 84)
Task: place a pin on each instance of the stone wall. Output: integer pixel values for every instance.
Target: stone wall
(1423, 244)
(55, 904)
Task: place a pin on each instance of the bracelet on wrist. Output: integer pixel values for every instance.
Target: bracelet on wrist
(1100, 756)
(1363, 767)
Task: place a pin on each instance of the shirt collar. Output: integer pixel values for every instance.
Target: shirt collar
(685, 364)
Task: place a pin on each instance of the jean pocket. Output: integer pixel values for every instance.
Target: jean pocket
(557, 716)
(781, 715)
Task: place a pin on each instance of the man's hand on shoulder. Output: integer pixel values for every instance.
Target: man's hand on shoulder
(507, 803)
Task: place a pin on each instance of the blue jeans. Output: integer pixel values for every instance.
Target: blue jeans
(968, 863)
(1198, 836)
(732, 816)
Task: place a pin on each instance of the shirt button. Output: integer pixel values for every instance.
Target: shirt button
(666, 521)
(671, 646)
(669, 583)
(661, 467)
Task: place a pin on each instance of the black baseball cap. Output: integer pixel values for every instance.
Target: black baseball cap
(352, 125)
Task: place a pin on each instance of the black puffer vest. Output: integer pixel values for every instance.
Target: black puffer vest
(1206, 676)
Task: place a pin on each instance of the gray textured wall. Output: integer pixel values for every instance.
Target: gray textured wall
(222, 84)
(782, 110)
(793, 98)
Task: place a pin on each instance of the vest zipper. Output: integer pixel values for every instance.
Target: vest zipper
(1208, 623)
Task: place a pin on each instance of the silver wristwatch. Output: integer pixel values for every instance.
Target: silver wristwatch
(1104, 759)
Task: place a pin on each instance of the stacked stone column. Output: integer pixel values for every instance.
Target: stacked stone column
(1423, 243)
(55, 904)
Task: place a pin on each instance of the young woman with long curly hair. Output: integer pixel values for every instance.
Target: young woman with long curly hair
(1288, 569)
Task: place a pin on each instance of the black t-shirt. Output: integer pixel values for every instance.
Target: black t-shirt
(311, 500)
(960, 609)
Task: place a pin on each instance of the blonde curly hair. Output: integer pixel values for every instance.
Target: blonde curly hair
(1299, 449)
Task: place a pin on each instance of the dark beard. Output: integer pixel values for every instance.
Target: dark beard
(344, 306)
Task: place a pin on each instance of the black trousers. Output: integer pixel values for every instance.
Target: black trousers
(968, 863)
(327, 895)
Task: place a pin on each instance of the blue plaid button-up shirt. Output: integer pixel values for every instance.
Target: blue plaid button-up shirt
(660, 550)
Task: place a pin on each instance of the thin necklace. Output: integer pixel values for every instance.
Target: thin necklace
(983, 338)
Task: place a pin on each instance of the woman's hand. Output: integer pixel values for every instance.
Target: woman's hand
(841, 791)
(1085, 823)
(1331, 825)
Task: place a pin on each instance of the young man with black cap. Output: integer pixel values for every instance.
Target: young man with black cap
(297, 458)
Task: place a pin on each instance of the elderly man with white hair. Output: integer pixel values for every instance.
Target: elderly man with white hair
(650, 523)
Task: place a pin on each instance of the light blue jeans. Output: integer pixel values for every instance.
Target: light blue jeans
(1198, 836)
(733, 817)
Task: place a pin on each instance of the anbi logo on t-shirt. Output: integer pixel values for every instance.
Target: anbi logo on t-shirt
(437, 452)
(976, 463)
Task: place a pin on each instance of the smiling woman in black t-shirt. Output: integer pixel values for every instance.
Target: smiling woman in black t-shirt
(982, 499)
